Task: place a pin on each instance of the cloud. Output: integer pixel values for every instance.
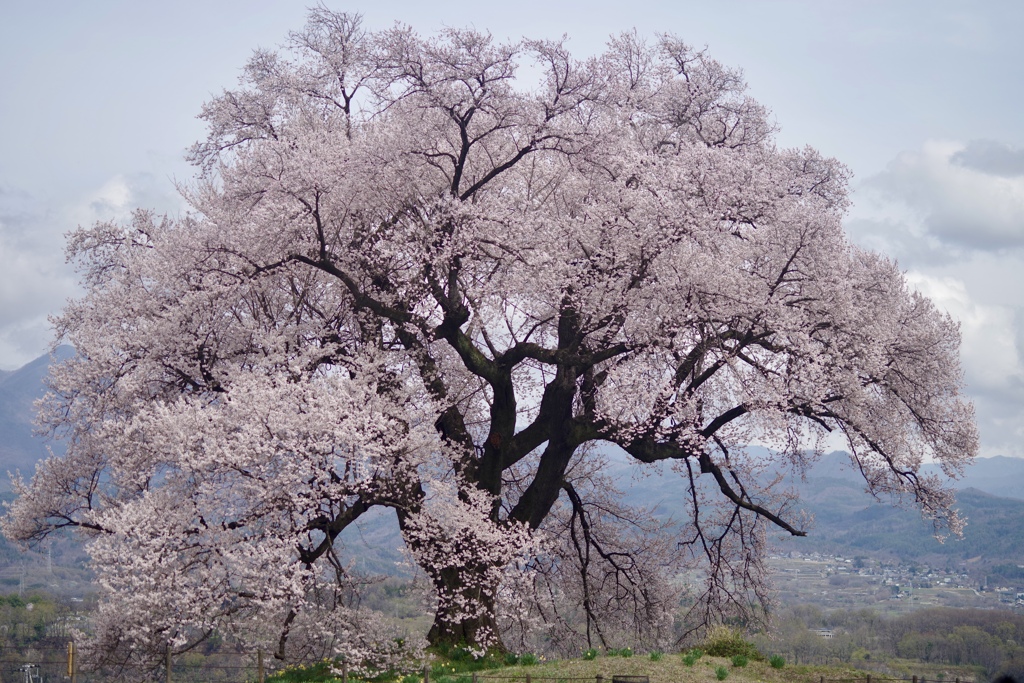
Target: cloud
(953, 214)
(992, 353)
(991, 157)
(35, 280)
(964, 196)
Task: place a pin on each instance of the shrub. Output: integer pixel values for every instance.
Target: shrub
(528, 659)
(690, 658)
(777, 661)
(511, 659)
(626, 652)
(723, 641)
(656, 656)
(739, 660)
(303, 673)
(590, 654)
(721, 673)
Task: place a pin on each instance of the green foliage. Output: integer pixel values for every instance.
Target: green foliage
(721, 673)
(657, 655)
(320, 672)
(740, 661)
(621, 652)
(723, 641)
(29, 619)
(777, 661)
(590, 654)
(528, 659)
(458, 659)
(690, 657)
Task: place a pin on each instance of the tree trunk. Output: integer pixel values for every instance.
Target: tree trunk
(466, 575)
(466, 613)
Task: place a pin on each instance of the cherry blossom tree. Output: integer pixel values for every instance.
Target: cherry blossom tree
(414, 276)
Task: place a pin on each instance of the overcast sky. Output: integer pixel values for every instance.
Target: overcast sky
(922, 100)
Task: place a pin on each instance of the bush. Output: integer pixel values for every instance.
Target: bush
(690, 658)
(656, 656)
(528, 659)
(626, 652)
(723, 641)
(511, 659)
(721, 673)
(740, 660)
(777, 661)
(590, 654)
(303, 673)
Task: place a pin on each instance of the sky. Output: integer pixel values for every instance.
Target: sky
(922, 100)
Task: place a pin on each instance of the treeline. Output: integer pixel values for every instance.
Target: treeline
(991, 641)
(36, 619)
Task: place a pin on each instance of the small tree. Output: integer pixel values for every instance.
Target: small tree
(411, 280)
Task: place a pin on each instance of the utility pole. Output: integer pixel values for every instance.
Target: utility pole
(72, 665)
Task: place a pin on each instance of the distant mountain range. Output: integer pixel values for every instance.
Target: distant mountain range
(20, 448)
(847, 520)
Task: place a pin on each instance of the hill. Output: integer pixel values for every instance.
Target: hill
(20, 447)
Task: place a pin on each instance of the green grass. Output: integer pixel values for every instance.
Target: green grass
(702, 668)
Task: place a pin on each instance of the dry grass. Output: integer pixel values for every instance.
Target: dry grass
(669, 670)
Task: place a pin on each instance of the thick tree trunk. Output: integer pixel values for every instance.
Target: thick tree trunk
(466, 614)
(454, 624)
(466, 576)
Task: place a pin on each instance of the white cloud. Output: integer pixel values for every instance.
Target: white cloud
(990, 355)
(964, 196)
(992, 359)
(112, 201)
(952, 213)
(35, 280)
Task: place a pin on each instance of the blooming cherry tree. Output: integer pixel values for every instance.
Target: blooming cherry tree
(414, 279)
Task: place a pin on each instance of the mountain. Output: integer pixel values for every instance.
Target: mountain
(848, 521)
(20, 448)
(998, 475)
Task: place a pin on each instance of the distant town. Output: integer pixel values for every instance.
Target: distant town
(856, 582)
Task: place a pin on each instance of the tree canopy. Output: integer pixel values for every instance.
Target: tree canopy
(444, 275)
